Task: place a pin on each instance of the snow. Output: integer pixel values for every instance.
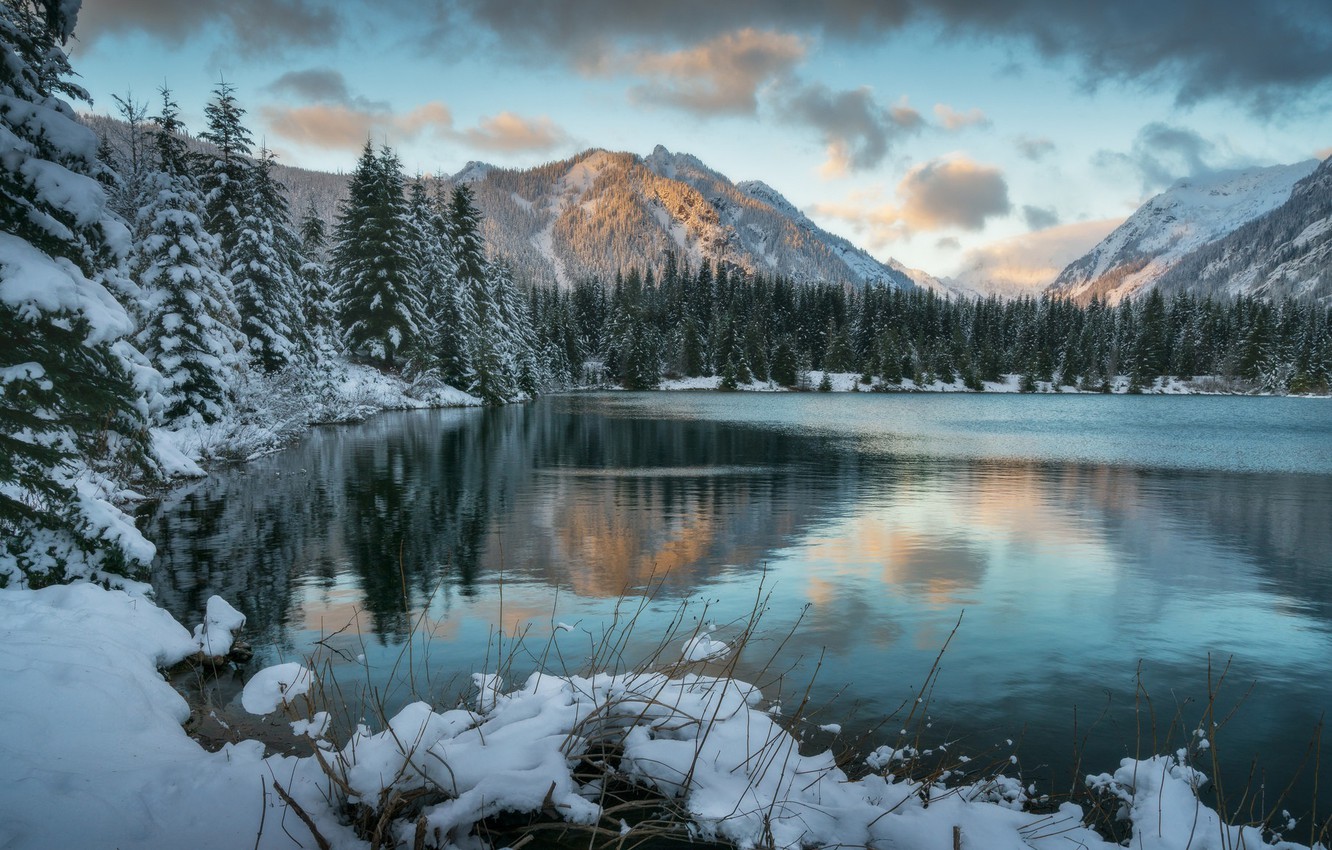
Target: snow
(703, 648)
(33, 282)
(216, 634)
(102, 759)
(843, 382)
(96, 755)
(275, 686)
(1190, 214)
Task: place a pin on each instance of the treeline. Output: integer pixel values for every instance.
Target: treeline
(681, 322)
(161, 283)
(230, 281)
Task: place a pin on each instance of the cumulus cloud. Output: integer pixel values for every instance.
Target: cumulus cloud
(1039, 218)
(1163, 153)
(1031, 261)
(719, 76)
(323, 85)
(345, 126)
(252, 26)
(1266, 56)
(952, 120)
(341, 127)
(857, 130)
(951, 192)
(1034, 148)
(510, 133)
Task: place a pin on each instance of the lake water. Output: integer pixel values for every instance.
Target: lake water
(1101, 552)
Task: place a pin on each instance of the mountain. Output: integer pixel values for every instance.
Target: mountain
(601, 212)
(1189, 215)
(1285, 252)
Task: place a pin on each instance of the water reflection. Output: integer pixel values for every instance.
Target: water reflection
(874, 522)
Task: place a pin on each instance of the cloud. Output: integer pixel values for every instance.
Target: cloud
(510, 133)
(949, 192)
(952, 192)
(948, 243)
(1267, 56)
(718, 77)
(250, 26)
(323, 85)
(343, 127)
(1323, 153)
(1034, 148)
(339, 126)
(1039, 218)
(1031, 261)
(952, 120)
(857, 130)
(1163, 153)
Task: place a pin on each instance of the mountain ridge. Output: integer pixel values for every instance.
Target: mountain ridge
(1190, 214)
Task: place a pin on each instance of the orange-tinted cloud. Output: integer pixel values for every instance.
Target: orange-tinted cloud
(511, 133)
(952, 120)
(1031, 261)
(948, 192)
(721, 76)
(342, 127)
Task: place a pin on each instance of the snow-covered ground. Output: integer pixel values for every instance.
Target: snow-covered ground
(95, 756)
(842, 382)
(275, 409)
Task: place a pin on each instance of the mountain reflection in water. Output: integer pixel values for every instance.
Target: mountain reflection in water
(1081, 536)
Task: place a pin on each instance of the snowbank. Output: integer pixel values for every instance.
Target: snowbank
(96, 756)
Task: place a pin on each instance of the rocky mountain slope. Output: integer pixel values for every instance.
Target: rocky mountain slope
(1189, 215)
(601, 211)
(1285, 252)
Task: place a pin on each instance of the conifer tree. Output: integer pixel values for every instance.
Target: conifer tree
(263, 272)
(67, 398)
(224, 172)
(374, 269)
(190, 331)
(318, 305)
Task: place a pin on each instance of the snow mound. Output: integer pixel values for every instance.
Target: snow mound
(275, 686)
(216, 634)
(704, 648)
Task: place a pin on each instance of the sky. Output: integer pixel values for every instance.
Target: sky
(989, 138)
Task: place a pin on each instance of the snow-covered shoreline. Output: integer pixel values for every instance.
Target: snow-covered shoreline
(100, 759)
(842, 382)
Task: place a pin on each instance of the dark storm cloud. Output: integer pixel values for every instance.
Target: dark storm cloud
(1163, 153)
(1264, 54)
(254, 25)
(856, 128)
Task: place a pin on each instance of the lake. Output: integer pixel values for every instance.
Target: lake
(1108, 558)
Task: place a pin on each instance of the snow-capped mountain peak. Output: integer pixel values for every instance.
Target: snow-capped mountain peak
(1190, 214)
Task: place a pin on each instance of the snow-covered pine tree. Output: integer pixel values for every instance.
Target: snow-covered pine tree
(190, 329)
(263, 271)
(224, 172)
(515, 322)
(67, 398)
(436, 344)
(131, 159)
(317, 302)
(374, 267)
(487, 375)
